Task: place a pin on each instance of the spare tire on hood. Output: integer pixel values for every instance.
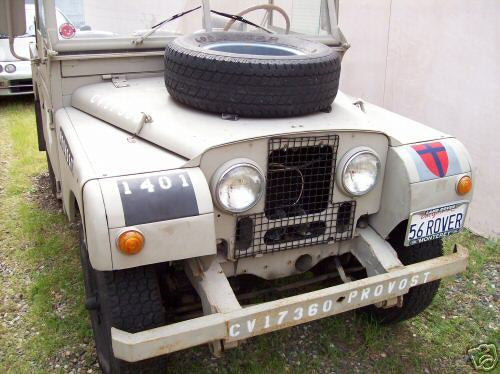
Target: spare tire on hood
(252, 74)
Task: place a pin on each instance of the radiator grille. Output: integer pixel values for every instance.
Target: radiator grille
(256, 234)
(298, 208)
(21, 85)
(299, 176)
(21, 82)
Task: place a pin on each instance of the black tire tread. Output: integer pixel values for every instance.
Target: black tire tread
(135, 299)
(135, 303)
(237, 85)
(132, 302)
(419, 297)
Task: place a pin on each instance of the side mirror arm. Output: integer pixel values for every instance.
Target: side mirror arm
(13, 52)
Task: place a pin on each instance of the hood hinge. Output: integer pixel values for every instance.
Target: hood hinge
(118, 80)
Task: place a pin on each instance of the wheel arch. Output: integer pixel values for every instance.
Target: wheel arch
(398, 232)
(73, 207)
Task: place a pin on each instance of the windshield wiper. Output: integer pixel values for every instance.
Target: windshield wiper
(140, 39)
(240, 19)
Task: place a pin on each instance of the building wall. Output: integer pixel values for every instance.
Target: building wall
(437, 62)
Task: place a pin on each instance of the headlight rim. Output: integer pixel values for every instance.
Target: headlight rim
(226, 168)
(10, 72)
(344, 163)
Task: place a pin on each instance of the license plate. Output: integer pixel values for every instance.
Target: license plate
(435, 223)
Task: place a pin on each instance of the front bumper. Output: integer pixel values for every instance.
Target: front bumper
(231, 326)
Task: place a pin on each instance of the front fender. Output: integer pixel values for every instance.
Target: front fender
(411, 186)
(173, 210)
(96, 227)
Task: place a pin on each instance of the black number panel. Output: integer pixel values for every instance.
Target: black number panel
(157, 198)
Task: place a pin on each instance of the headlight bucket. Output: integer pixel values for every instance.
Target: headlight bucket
(10, 68)
(238, 185)
(360, 168)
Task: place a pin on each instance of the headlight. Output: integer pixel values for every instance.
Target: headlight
(360, 168)
(10, 68)
(238, 187)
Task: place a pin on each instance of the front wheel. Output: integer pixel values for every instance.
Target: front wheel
(129, 300)
(419, 297)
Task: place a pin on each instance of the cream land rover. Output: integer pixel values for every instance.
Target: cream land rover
(206, 152)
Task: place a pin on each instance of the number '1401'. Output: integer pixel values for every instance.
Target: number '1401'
(164, 183)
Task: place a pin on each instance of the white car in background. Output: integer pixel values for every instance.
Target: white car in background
(15, 74)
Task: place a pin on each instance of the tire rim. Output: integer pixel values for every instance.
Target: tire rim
(255, 49)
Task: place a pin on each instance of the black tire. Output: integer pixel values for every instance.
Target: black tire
(129, 300)
(39, 125)
(419, 297)
(52, 176)
(252, 85)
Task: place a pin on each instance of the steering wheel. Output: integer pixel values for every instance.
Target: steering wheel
(269, 8)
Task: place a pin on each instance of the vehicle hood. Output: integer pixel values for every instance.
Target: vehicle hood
(21, 46)
(189, 132)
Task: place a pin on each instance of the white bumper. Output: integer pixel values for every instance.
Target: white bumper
(270, 316)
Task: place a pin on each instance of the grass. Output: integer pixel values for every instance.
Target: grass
(44, 327)
(38, 249)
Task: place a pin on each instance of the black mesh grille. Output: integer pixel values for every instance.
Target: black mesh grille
(298, 209)
(299, 176)
(256, 234)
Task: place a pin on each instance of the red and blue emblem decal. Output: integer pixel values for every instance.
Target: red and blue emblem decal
(435, 159)
(434, 156)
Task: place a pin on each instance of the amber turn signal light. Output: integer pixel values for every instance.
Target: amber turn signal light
(130, 242)
(464, 185)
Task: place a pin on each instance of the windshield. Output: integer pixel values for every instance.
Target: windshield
(113, 18)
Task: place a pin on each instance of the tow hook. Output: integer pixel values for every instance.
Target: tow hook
(92, 303)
